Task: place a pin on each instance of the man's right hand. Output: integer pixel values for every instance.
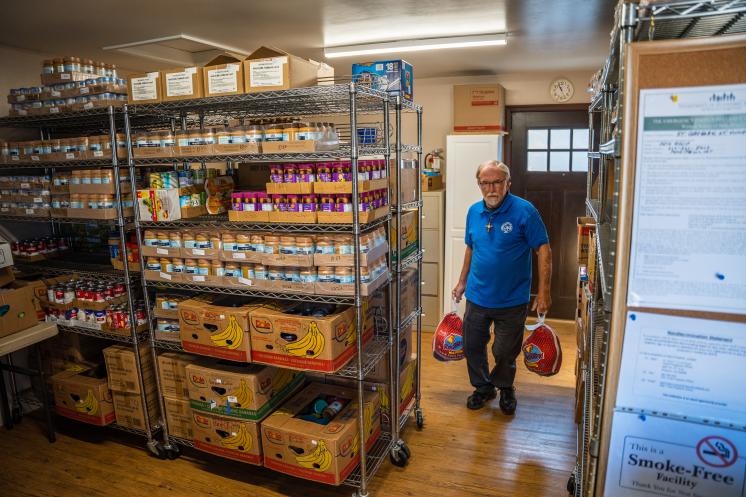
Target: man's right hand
(458, 291)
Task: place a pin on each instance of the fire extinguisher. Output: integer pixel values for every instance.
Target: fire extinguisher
(434, 160)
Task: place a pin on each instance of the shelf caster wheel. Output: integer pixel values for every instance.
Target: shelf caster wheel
(173, 452)
(420, 418)
(400, 454)
(157, 450)
(571, 485)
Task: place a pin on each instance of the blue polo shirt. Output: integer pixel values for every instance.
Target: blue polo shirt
(500, 272)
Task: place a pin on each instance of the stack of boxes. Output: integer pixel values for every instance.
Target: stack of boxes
(122, 373)
(586, 256)
(175, 388)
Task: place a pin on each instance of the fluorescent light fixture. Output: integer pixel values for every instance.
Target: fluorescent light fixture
(417, 45)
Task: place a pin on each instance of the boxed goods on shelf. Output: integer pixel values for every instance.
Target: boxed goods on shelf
(181, 84)
(393, 76)
(83, 396)
(478, 109)
(586, 225)
(129, 409)
(314, 337)
(179, 417)
(160, 204)
(216, 326)
(409, 281)
(19, 300)
(268, 69)
(167, 305)
(173, 374)
(232, 438)
(122, 369)
(144, 88)
(223, 75)
(298, 438)
(409, 180)
(168, 330)
(406, 234)
(407, 352)
(32, 250)
(431, 183)
(240, 391)
(343, 282)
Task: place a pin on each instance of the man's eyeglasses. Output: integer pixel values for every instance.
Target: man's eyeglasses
(488, 184)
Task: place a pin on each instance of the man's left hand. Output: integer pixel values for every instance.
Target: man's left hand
(542, 303)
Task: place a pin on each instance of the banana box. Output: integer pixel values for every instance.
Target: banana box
(247, 391)
(216, 326)
(179, 417)
(315, 435)
(129, 410)
(405, 235)
(232, 438)
(289, 338)
(83, 396)
(122, 370)
(172, 373)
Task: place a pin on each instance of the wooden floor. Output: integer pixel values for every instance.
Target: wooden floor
(458, 453)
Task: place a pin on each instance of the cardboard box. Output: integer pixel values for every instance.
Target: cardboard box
(268, 68)
(179, 417)
(6, 276)
(98, 213)
(240, 391)
(63, 77)
(366, 289)
(408, 181)
(167, 305)
(223, 75)
(182, 84)
(297, 445)
(20, 303)
(407, 234)
(161, 204)
(100, 189)
(478, 109)
(173, 375)
(410, 280)
(432, 183)
(586, 225)
(216, 326)
(6, 256)
(292, 188)
(393, 76)
(366, 259)
(144, 88)
(83, 396)
(303, 342)
(336, 187)
(122, 370)
(130, 412)
(232, 438)
(344, 217)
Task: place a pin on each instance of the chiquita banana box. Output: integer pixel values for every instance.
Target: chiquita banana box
(83, 396)
(216, 326)
(247, 391)
(232, 438)
(313, 337)
(315, 435)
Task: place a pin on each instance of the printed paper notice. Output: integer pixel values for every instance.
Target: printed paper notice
(223, 80)
(689, 228)
(652, 456)
(267, 72)
(684, 366)
(179, 84)
(145, 88)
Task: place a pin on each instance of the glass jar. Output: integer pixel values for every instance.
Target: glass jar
(153, 264)
(202, 241)
(217, 269)
(260, 271)
(191, 267)
(166, 139)
(181, 138)
(75, 201)
(304, 245)
(306, 131)
(187, 239)
(254, 134)
(290, 132)
(365, 276)
(257, 243)
(344, 275)
(247, 271)
(175, 239)
(178, 265)
(292, 274)
(275, 273)
(163, 239)
(85, 177)
(243, 242)
(229, 242)
(325, 274)
(87, 66)
(325, 245)
(215, 241)
(271, 244)
(343, 245)
(308, 275)
(274, 133)
(232, 270)
(166, 265)
(288, 245)
(208, 136)
(106, 201)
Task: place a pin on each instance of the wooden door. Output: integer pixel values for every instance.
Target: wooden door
(548, 162)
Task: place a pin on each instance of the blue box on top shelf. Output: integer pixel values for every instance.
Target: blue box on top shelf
(394, 76)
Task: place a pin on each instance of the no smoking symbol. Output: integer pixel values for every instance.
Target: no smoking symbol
(717, 452)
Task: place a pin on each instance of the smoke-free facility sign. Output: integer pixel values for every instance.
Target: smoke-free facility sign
(657, 456)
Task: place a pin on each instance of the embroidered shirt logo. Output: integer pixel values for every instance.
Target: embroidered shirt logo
(506, 227)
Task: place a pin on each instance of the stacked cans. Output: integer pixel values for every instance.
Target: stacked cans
(114, 317)
(85, 290)
(38, 246)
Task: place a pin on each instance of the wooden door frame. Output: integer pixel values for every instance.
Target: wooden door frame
(509, 110)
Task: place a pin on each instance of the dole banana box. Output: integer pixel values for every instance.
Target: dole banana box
(83, 396)
(232, 438)
(322, 341)
(179, 417)
(130, 411)
(405, 234)
(247, 391)
(216, 326)
(315, 435)
(122, 370)
(172, 373)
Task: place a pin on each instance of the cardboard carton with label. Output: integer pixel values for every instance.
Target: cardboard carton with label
(268, 68)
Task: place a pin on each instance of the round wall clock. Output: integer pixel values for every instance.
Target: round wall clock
(561, 90)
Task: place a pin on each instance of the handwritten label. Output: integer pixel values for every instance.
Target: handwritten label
(165, 276)
(69, 155)
(198, 252)
(239, 255)
(244, 281)
(161, 251)
(198, 278)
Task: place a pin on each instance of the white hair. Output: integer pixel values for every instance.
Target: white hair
(499, 165)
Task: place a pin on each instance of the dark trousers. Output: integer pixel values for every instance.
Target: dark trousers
(508, 326)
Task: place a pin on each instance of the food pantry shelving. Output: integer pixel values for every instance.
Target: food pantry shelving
(607, 115)
(104, 120)
(342, 99)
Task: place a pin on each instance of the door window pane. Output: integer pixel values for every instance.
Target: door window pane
(580, 161)
(537, 161)
(580, 138)
(560, 138)
(537, 138)
(559, 161)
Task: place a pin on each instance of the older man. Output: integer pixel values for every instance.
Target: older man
(501, 231)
